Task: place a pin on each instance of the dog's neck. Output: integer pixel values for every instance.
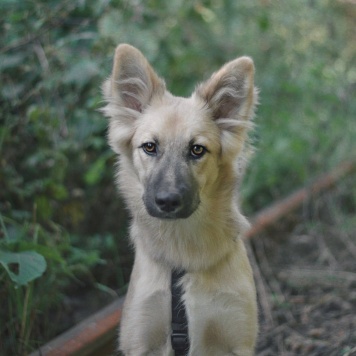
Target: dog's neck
(194, 243)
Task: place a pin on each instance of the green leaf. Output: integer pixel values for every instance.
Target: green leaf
(23, 267)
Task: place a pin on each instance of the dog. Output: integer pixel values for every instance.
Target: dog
(180, 164)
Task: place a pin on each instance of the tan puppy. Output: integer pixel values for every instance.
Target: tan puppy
(179, 163)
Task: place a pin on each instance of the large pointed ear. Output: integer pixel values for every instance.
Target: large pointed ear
(231, 97)
(128, 91)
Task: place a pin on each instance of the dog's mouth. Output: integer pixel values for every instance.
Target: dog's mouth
(169, 216)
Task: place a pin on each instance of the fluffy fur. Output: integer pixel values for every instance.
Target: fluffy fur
(203, 235)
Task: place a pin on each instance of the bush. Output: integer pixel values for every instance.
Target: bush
(58, 199)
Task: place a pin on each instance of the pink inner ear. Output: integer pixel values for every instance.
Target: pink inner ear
(131, 102)
(133, 94)
(226, 106)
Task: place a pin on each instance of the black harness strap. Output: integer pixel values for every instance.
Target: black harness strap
(179, 336)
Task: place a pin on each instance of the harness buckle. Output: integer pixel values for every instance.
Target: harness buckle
(180, 342)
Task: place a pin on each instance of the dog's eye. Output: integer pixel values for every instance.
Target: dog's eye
(197, 151)
(149, 148)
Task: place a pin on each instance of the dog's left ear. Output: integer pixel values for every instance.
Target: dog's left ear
(231, 98)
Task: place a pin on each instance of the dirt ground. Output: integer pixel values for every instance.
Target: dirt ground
(305, 269)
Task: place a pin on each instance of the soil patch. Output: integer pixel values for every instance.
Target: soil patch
(305, 270)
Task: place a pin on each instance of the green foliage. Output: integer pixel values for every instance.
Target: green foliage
(57, 195)
(30, 265)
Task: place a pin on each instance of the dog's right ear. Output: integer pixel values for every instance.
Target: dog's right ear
(130, 88)
(230, 96)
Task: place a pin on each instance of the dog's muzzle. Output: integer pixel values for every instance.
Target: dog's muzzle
(171, 204)
(171, 191)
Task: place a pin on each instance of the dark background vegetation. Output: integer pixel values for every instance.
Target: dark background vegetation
(57, 193)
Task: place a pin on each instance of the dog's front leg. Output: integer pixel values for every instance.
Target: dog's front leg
(145, 324)
(221, 308)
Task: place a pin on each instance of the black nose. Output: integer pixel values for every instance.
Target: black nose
(168, 201)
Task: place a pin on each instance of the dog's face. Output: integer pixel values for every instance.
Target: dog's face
(177, 145)
(174, 144)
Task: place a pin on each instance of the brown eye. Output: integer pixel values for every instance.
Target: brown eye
(149, 148)
(197, 151)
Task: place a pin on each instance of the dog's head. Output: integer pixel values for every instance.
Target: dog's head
(182, 150)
